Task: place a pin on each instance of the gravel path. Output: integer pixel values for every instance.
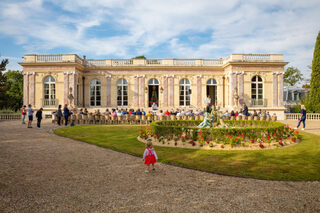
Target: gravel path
(42, 172)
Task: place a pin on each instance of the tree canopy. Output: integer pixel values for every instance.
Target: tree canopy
(292, 75)
(11, 87)
(140, 57)
(314, 95)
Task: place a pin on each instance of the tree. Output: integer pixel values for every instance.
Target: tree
(314, 95)
(14, 89)
(140, 57)
(3, 86)
(292, 75)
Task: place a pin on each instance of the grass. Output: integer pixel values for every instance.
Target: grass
(297, 163)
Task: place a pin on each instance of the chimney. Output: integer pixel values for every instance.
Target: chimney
(84, 57)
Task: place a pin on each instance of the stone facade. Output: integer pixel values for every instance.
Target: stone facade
(73, 75)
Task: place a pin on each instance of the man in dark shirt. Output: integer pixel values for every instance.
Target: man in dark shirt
(39, 117)
(245, 109)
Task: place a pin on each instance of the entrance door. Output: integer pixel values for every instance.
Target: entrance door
(153, 91)
(153, 95)
(212, 91)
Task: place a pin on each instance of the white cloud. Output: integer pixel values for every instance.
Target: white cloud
(264, 26)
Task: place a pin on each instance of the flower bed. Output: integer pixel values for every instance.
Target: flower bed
(241, 135)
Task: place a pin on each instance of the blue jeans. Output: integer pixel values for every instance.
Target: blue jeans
(66, 120)
(303, 121)
(38, 123)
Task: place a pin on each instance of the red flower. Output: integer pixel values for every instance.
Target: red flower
(280, 143)
(208, 142)
(261, 145)
(252, 140)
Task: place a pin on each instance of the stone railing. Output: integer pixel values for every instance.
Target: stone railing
(296, 116)
(49, 102)
(258, 102)
(10, 116)
(73, 58)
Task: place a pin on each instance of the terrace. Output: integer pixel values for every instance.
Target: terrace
(73, 58)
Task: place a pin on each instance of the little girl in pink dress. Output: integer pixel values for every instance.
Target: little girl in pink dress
(149, 156)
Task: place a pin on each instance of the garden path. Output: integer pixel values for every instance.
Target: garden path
(42, 172)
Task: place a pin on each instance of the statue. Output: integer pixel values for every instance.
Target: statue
(236, 97)
(208, 120)
(212, 120)
(70, 97)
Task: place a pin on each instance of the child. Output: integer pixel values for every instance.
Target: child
(149, 156)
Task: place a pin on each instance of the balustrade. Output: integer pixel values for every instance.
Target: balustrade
(49, 102)
(10, 116)
(296, 116)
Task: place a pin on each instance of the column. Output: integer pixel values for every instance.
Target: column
(66, 87)
(25, 89)
(108, 104)
(280, 95)
(275, 89)
(199, 90)
(136, 91)
(31, 90)
(72, 84)
(142, 92)
(171, 93)
(232, 86)
(165, 91)
(241, 87)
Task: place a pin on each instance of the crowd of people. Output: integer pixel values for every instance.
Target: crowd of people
(118, 112)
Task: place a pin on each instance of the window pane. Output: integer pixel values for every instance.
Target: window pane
(259, 86)
(188, 97)
(253, 85)
(187, 103)
(125, 103)
(181, 103)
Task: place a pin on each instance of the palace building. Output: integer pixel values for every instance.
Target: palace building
(50, 80)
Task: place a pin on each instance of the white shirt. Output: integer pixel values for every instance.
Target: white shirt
(146, 153)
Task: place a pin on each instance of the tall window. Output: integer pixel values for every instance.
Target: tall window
(184, 92)
(257, 90)
(212, 90)
(122, 92)
(49, 90)
(95, 93)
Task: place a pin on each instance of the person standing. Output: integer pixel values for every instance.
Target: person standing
(59, 115)
(30, 116)
(303, 117)
(66, 114)
(39, 117)
(149, 156)
(23, 113)
(245, 110)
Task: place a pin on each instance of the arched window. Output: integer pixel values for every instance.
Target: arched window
(211, 92)
(153, 81)
(184, 92)
(257, 90)
(49, 91)
(95, 93)
(122, 92)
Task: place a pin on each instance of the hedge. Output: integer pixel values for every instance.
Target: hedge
(250, 129)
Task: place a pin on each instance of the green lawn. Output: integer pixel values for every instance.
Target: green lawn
(298, 162)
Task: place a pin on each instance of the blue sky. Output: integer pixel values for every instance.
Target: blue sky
(160, 29)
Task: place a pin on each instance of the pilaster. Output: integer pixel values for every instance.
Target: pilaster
(199, 96)
(275, 89)
(165, 91)
(32, 90)
(25, 89)
(280, 79)
(108, 86)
